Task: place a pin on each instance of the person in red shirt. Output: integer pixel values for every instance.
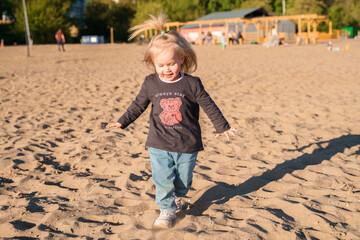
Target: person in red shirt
(60, 39)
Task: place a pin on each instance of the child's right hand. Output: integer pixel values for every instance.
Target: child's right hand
(113, 125)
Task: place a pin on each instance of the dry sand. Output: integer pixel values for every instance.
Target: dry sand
(292, 173)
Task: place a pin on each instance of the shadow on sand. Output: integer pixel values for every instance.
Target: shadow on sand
(223, 192)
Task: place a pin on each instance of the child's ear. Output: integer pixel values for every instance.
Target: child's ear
(182, 59)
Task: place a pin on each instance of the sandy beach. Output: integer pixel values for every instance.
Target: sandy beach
(293, 172)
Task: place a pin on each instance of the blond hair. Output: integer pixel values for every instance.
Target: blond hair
(164, 41)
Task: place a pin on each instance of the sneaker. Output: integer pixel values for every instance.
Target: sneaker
(165, 220)
(178, 202)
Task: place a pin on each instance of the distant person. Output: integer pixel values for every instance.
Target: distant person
(298, 40)
(329, 46)
(232, 38)
(175, 97)
(208, 38)
(203, 37)
(239, 37)
(60, 39)
(274, 38)
(223, 41)
(141, 40)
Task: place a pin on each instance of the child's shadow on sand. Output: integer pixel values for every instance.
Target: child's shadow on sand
(223, 192)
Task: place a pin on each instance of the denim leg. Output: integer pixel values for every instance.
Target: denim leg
(172, 175)
(185, 164)
(163, 176)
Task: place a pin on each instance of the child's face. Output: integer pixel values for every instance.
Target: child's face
(168, 64)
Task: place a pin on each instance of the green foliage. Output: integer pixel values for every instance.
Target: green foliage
(101, 15)
(257, 3)
(222, 5)
(97, 18)
(353, 15)
(307, 7)
(180, 10)
(337, 15)
(341, 12)
(277, 7)
(120, 19)
(214, 5)
(145, 7)
(44, 16)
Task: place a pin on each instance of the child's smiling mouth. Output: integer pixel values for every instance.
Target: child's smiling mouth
(168, 75)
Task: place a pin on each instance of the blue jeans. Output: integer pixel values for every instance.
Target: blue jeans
(172, 175)
(60, 43)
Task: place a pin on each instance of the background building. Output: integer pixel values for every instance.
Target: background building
(249, 30)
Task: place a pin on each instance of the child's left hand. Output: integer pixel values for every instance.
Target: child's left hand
(228, 133)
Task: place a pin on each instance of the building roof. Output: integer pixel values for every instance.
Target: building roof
(242, 13)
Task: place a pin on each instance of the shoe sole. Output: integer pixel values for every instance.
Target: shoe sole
(161, 227)
(164, 226)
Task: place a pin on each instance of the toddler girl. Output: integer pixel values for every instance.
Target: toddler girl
(174, 138)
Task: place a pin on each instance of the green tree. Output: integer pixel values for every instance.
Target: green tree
(97, 19)
(277, 7)
(180, 10)
(257, 3)
(120, 19)
(306, 7)
(145, 7)
(214, 5)
(45, 17)
(355, 13)
(337, 16)
(223, 5)
(100, 15)
(352, 10)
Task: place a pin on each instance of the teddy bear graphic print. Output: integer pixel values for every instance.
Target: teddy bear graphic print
(171, 111)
